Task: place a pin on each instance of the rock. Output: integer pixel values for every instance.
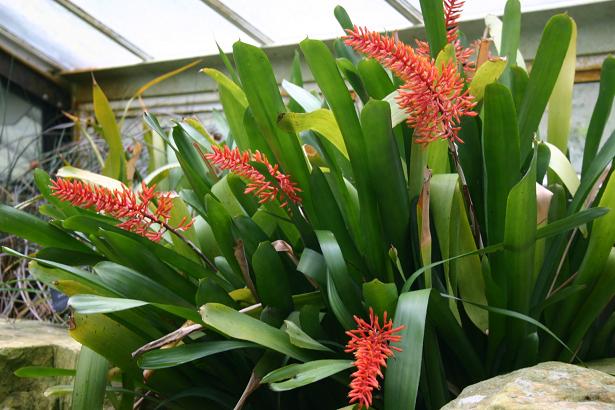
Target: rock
(549, 385)
(32, 343)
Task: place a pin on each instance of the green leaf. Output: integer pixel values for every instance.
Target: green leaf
(62, 272)
(237, 325)
(336, 303)
(560, 102)
(332, 85)
(129, 251)
(39, 371)
(562, 167)
(94, 304)
(570, 222)
(223, 192)
(272, 281)
(513, 268)
(487, 73)
(456, 338)
(519, 80)
(384, 163)
(191, 162)
(496, 30)
(115, 164)
(234, 103)
(433, 17)
(342, 17)
(262, 92)
(308, 101)
(163, 358)
(350, 73)
(210, 291)
(501, 158)
(228, 64)
(90, 380)
(593, 172)
(382, 297)
(108, 337)
(455, 237)
(312, 264)
(296, 78)
(401, 381)
(545, 69)
(29, 227)
(336, 269)
(68, 257)
(221, 223)
(321, 120)
(511, 31)
(152, 122)
(597, 272)
(43, 183)
(376, 80)
(329, 216)
(131, 284)
(301, 339)
(601, 112)
(298, 375)
(517, 316)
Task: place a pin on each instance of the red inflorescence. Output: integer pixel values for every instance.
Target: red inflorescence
(433, 97)
(137, 210)
(370, 344)
(239, 163)
(452, 12)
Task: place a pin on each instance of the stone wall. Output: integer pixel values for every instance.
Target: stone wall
(31, 343)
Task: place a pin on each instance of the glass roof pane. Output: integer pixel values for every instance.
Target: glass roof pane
(289, 22)
(61, 35)
(476, 9)
(165, 29)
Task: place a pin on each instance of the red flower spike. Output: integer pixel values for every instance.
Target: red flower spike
(134, 209)
(370, 344)
(433, 97)
(452, 12)
(239, 163)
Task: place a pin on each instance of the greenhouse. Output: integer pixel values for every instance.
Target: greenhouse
(268, 205)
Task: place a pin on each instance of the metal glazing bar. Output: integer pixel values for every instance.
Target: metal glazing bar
(235, 19)
(113, 35)
(27, 53)
(407, 10)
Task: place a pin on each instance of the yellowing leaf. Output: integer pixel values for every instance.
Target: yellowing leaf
(486, 74)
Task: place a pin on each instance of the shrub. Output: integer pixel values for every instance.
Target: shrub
(453, 246)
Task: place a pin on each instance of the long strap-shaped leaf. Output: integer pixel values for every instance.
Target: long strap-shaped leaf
(545, 69)
(403, 372)
(90, 380)
(603, 107)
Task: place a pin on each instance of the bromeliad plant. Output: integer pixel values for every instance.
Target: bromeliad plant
(384, 251)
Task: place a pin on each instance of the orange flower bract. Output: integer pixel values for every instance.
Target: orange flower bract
(370, 344)
(239, 163)
(137, 210)
(433, 97)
